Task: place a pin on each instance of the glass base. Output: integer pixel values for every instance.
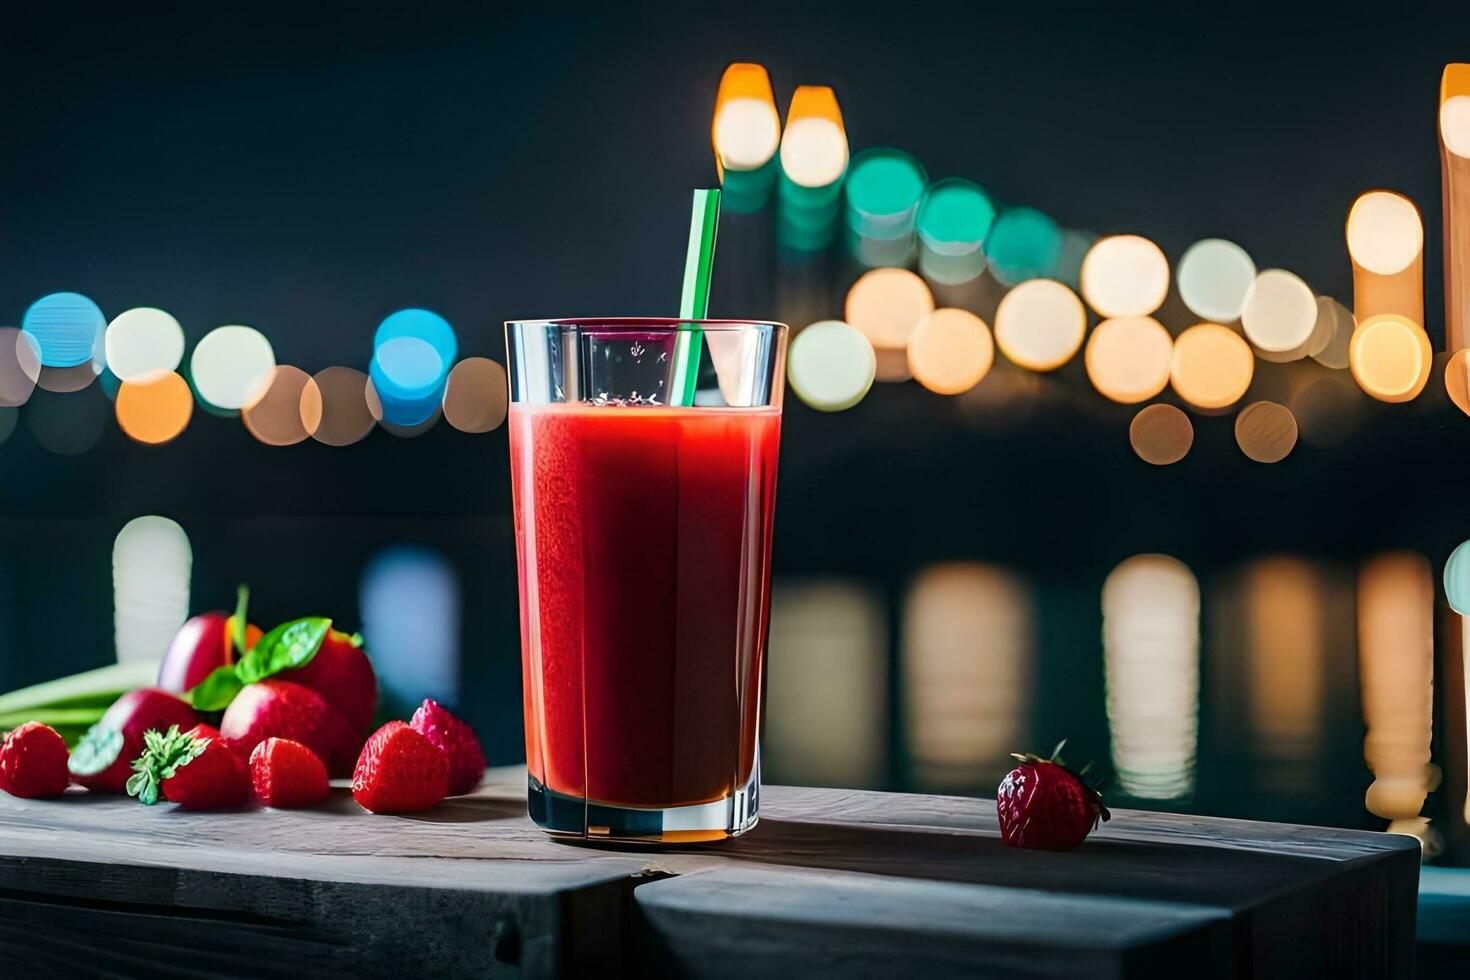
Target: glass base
(573, 817)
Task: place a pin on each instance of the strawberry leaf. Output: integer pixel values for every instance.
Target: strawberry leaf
(97, 750)
(216, 691)
(164, 753)
(288, 646)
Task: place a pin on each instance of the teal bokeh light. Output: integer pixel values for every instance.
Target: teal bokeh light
(1023, 244)
(884, 187)
(68, 329)
(1457, 579)
(748, 191)
(413, 351)
(953, 222)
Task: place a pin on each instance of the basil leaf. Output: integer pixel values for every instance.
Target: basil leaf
(216, 691)
(286, 647)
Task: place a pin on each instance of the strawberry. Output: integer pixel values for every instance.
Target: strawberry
(103, 758)
(283, 709)
(399, 771)
(287, 774)
(342, 673)
(456, 740)
(191, 769)
(1043, 804)
(33, 762)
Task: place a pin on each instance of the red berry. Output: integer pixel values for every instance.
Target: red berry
(282, 709)
(287, 774)
(456, 740)
(1043, 804)
(341, 672)
(103, 759)
(191, 769)
(399, 771)
(33, 762)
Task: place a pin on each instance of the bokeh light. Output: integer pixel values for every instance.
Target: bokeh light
(1390, 357)
(275, 418)
(1327, 409)
(67, 424)
(1023, 244)
(1039, 324)
(20, 366)
(886, 305)
(335, 407)
(413, 351)
(1266, 431)
(1125, 275)
(1454, 112)
(151, 567)
(951, 351)
(1457, 579)
(1161, 435)
(1396, 663)
(830, 366)
(1212, 366)
(1280, 311)
(1457, 379)
(143, 343)
(746, 128)
(954, 219)
(68, 328)
(476, 394)
(66, 380)
(410, 602)
(814, 145)
(1214, 276)
(1385, 239)
(232, 367)
(1341, 325)
(827, 689)
(1151, 606)
(884, 188)
(1454, 138)
(156, 409)
(1128, 359)
(969, 684)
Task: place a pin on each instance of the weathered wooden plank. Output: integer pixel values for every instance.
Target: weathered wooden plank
(740, 922)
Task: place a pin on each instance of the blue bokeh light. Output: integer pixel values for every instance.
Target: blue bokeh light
(68, 328)
(413, 351)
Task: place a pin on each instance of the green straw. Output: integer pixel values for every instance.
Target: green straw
(699, 264)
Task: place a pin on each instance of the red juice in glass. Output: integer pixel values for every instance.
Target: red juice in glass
(643, 537)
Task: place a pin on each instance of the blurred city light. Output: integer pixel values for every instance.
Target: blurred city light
(276, 418)
(68, 329)
(830, 366)
(1212, 366)
(1128, 360)
(827, 685)
(1161, 435)
(1280, 311)
(887, 305)
(814, 145)
(155, 408)
(1214, 277)
(1457, 379)
(20, 366)
(143, 343)
(953, 221)
(1039, 324)
(1454, 157)
(1385, 240)
(410, 605)
(1266, 431)
(232, 367)
(337, 408)
(151, 567)
(413, 351)
(1457, 579)
(950, 351)
(1151, 606)
(746, 128)
(1125, 275)
(476, 395)
(969, 675)
(1340, 325)
(1023, 244)
(1390, 357)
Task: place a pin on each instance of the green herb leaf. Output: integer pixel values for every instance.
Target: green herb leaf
(238, 622)
(97, 750)
(164, 753)
(288, 646)
(216, 691)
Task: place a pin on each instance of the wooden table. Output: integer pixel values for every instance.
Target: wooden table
(831, 883)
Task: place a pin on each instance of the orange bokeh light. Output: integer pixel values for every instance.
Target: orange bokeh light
(951, 351)
(1212, 366)
(154, 411)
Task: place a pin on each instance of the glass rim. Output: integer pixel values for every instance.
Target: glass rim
(664, 323)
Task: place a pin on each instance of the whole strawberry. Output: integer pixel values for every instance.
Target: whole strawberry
(191, 769)
(287, 774)
(456, 740)
(342, 673)
(399, 771)
(284, 709)
(33, 762)
(1043, 804)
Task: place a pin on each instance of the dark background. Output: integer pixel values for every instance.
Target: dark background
(309, 173)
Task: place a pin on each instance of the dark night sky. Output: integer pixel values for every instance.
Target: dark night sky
(308, 173)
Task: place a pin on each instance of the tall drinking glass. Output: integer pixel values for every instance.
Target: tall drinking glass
(643, 463)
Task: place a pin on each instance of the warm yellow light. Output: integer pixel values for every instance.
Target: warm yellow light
(951, 351)
(830, 366)
(1150, 607)
(476, 394)
(1128, 358)
(1396, 662)
(1457, 379)
(887, 305)
(968, 655)
(1390, 357)
(746, 128)
(1280, 311)
(276, 418)
(827, 694)
(1161, 435)
(1214, 276)
(1039, 324)
(156, 410)
(814, 146)
(336, 406)
(1266, 431)
(1454, 163)
(1385, 239)
(1125, 275)
(1212, 366)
